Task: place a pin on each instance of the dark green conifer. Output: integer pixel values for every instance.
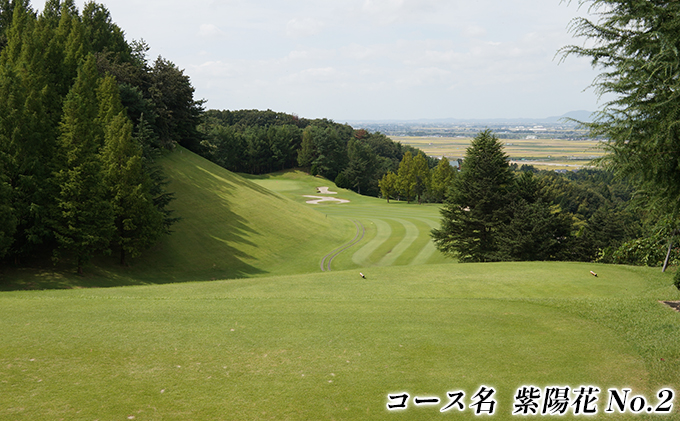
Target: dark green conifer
(29, 114)
(146, 138)
(138, 223)
(307, 153)
(475, 206)
(85, 223)
(8, 221)
(536, 229)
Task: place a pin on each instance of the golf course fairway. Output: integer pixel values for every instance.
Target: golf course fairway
(275, 337)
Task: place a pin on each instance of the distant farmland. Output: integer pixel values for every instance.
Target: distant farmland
(541, 153)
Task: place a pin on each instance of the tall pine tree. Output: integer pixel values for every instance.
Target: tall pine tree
(537, 229)
(28, 126)
(8, 221)
(138, 223)
(85, 223)
(475, 206)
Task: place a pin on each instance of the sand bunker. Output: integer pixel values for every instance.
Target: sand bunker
(319, 199)
(324, 190)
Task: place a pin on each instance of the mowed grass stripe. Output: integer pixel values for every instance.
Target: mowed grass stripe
(420, 250)
(327, 260)
(398, 241)
(398, 233)
(394, 257)
(423, 246)
(382, 231)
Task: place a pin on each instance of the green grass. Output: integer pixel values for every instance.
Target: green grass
(332, 345)
(397, 233)
(242, 226)
(279, 339)
(230, 228)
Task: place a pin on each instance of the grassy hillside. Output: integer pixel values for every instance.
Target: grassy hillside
(230, 228)
(237, 226)
(333, 345)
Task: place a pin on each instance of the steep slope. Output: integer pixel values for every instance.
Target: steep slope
(232, 227)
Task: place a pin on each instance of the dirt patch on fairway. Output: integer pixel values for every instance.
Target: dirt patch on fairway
(675, 305)
(318, 199)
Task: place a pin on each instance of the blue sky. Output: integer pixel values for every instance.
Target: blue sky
(370, 59)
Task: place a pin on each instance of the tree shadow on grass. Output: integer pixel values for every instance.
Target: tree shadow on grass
(245, 181)
(208, 242)
(163, 264)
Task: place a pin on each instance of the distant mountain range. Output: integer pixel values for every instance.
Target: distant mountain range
(580, 115)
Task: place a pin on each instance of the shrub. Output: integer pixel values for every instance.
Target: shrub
(650, 251)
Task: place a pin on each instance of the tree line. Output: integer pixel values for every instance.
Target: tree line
(587, 215)
(414, 179)
(258, 142)
(494, 211)
(534, 215)
(83, 118)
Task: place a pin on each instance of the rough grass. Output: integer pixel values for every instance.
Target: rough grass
(333, 345)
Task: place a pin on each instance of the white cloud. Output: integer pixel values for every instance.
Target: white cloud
(303, 27)
(474, 31)
(322, 75)
(424, 76)
(316, 58)
(386, 12)
(216, 69)
(358, 52)
(313, 54)
(208, 30)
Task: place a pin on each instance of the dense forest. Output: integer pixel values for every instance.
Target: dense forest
(258, 142)
(82, 119)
